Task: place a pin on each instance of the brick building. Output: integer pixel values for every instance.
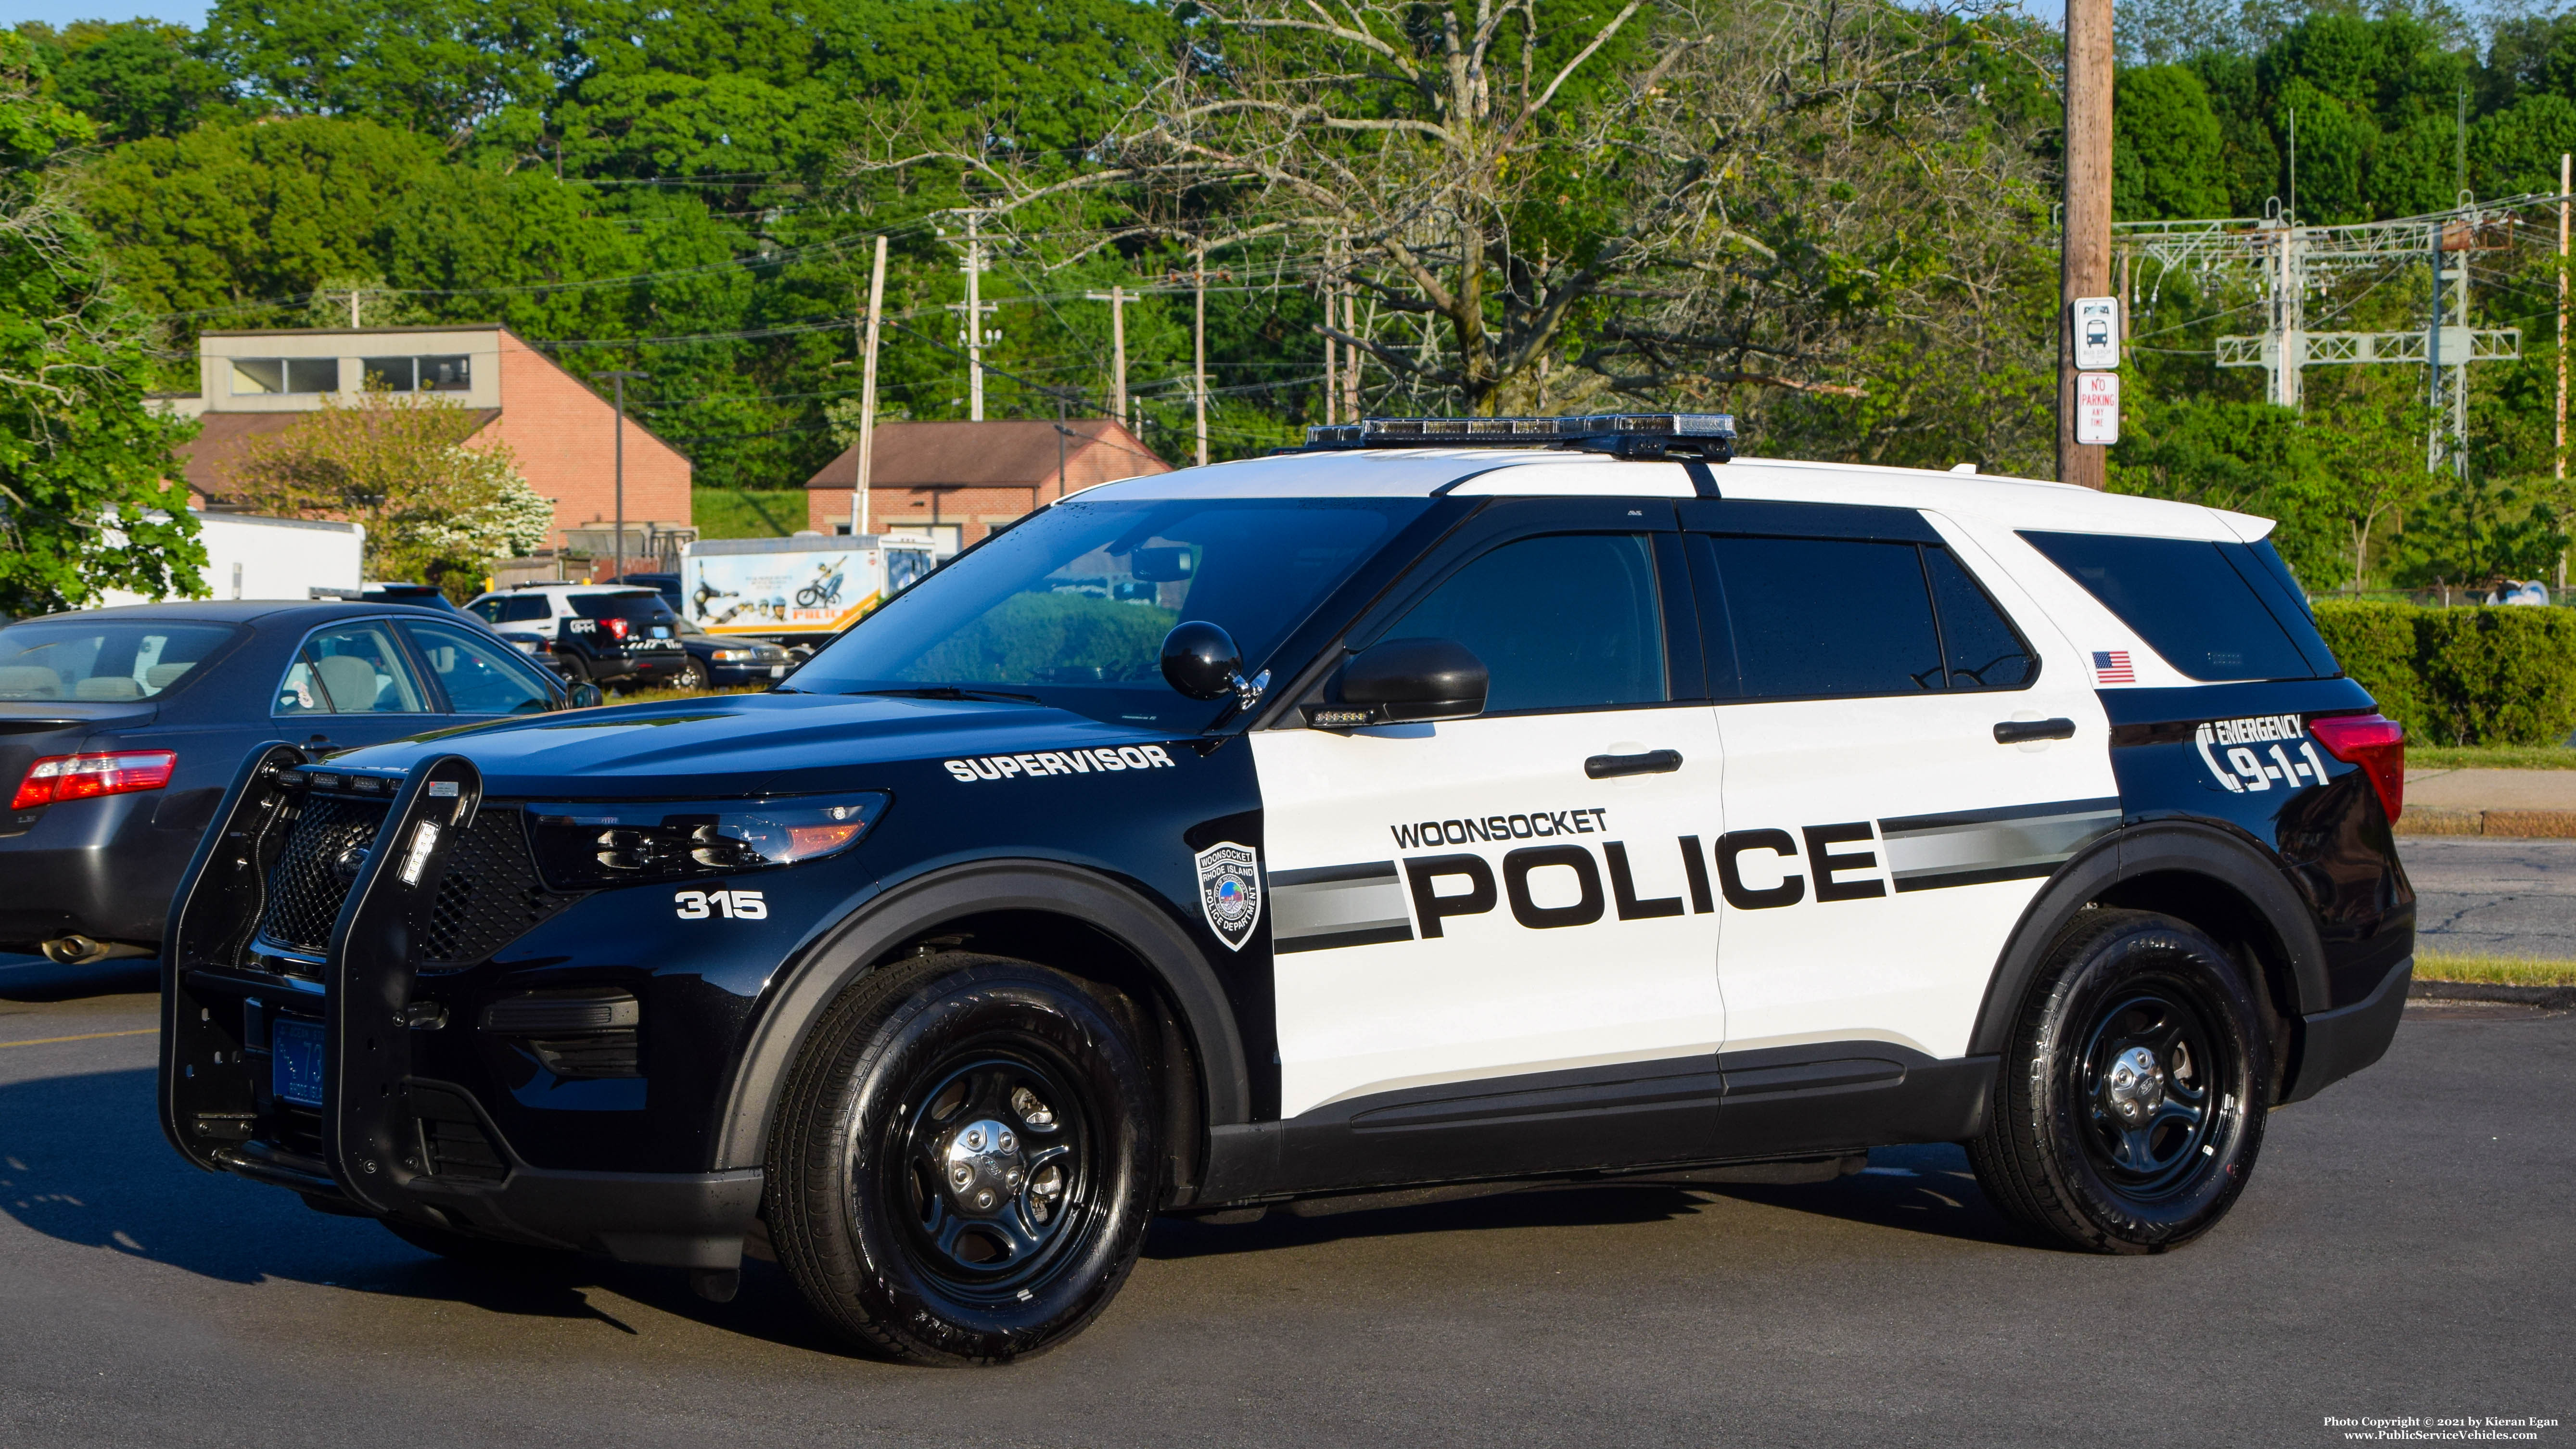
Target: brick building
(964, 478)
(252, 384)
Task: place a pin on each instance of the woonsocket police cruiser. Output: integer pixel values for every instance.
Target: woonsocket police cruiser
(1452, 803)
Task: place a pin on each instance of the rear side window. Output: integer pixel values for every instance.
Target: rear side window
(1570, 621)
(2200, 605)
(1808, 618)
(635, 608)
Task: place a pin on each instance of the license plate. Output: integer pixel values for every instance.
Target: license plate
(777, 671)
(296, 1054)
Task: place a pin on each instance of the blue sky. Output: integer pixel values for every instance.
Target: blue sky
(63, 12)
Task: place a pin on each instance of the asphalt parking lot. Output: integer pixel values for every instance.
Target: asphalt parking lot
(2407, 1246)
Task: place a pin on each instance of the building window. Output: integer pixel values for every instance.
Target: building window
(257, 376)
(420, 374)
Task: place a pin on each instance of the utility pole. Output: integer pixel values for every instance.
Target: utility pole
(354, 295)
(1351, 373)
(1331, 292)
(2564, 163)
(617, 551)
(2085, 263)
(974, 338)
(1116, 297)
(860, 484)
(1198, 345)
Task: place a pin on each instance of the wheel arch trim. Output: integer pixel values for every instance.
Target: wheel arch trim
(810, 984)
(2161, 847)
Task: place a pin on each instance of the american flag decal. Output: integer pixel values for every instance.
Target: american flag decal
(2111, 666)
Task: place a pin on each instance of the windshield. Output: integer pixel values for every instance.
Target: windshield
(1071, 607)
(135, 659)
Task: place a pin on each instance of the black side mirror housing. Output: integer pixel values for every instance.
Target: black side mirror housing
(1402, 681)
(584, 695)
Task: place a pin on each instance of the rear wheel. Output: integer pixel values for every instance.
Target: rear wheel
(964, 1160)
(2131, 1105)
(694, 675)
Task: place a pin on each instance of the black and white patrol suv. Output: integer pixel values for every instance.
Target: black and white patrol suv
(1449, 805)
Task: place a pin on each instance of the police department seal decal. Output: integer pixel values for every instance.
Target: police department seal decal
(1230, 891)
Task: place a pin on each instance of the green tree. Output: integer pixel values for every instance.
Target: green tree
(2167, 148)
(135, 78)
(86, 501)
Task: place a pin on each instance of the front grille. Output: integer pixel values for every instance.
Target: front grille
(452, 1141)
(308, 885)
(491, 896)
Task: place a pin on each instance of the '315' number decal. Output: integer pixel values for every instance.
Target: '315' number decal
(732, 905)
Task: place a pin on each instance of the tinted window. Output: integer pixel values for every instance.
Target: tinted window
(1977, 642)
(350, 669)
(1565, 622)
(479, 675)
(1813, 616)
(102, 661)
(642, 607)
(2189, 601)
(522, 608)
(1071, 606)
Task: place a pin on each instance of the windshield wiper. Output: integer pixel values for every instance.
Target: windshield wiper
(950, 691)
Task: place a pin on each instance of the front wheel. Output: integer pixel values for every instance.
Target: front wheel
(2131, 1104)
(964, 1160)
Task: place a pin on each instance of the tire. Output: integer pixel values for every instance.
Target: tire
(487, 1253)
(964, 1160)
(2092, 1159)
(694, 675)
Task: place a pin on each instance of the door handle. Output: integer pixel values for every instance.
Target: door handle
(1652, 762)
(2022, 731)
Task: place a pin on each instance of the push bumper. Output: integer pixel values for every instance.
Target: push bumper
(2335, 1044)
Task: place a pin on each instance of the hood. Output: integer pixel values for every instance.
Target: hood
(739, 744)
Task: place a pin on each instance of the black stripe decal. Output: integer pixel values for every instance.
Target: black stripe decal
(1370, 936)
(1910, 823)
(1333, 874)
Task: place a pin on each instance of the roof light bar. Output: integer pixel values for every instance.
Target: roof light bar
(1626, 435)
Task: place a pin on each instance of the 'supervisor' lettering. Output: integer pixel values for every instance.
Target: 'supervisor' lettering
(1536, 825)
(1041, 763)
(1574, 882)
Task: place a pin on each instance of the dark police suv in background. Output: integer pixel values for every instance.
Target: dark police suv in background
(1450, 806)
(121, 728)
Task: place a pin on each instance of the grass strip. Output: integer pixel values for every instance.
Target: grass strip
(2494, 970)
(2490, 757)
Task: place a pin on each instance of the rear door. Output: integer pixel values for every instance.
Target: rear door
(1911, 751)
(1488, 930)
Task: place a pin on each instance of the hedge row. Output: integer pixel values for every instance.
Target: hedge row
(2468, 676)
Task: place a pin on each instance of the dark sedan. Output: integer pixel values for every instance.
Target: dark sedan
(121, 728)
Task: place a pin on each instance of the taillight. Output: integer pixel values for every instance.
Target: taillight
(615, 627)
(81, 777)
(2377, 745)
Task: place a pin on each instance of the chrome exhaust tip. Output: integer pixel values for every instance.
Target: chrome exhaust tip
(81, 950)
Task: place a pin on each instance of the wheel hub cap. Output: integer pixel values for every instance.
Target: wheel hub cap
(983, 1167)
(2134, 1086)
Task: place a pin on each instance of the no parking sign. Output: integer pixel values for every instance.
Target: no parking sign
(2097, 408)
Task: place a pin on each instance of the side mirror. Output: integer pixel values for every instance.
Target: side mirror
(584, 695)
(1200, 660)
(1404, 680)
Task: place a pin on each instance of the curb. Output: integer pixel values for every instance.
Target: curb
(2524, 824)
(2548, 998)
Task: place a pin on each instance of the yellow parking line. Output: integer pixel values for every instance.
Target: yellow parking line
(89, 1036)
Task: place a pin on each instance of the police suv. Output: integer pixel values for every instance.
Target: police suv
(1449, 806)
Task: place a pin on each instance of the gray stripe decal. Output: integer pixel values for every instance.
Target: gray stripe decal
(1973, 847)
(1337, 905)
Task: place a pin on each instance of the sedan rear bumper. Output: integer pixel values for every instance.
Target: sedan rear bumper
(102, 868)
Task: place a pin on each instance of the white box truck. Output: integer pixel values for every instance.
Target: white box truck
(796, 590)
(252, 557)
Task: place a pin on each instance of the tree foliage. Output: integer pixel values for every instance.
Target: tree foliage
(436, 506)
(83, 502)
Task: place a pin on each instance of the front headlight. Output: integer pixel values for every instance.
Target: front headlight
(582, 847)
(734, 656)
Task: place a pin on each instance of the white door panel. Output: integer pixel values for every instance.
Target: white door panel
(1605, 953)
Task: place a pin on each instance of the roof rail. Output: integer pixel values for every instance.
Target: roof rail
(1625, 435)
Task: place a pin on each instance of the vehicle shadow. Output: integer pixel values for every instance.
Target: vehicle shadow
(83, 1161)
(1926, 1189)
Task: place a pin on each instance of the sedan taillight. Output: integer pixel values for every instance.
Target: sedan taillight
(56, 778)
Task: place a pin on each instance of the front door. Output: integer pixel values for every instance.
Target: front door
(1506, 917)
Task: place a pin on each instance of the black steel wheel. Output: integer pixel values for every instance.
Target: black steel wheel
(963, 1162)
(2131, 1106)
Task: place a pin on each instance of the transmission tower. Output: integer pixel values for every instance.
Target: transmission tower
(2288, 263)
